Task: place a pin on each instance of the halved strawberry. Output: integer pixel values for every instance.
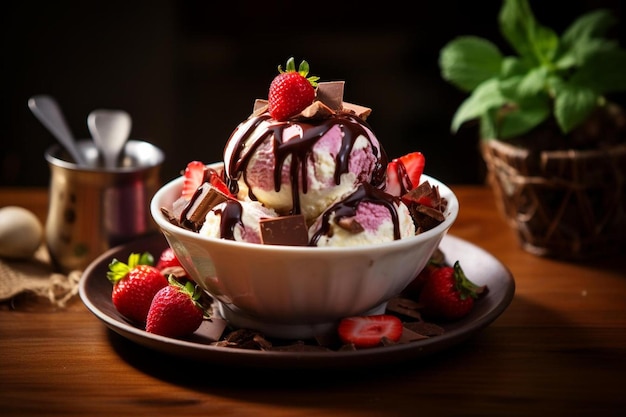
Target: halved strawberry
(194, 177)
(217, 181)
(368, 331)
(403, 173)
(291, 91)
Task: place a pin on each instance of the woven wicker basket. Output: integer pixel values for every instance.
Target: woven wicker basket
(563, 204)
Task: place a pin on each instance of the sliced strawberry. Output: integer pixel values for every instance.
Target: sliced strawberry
(403, 173)
(194, 177)
(368, 331)
(217, 181)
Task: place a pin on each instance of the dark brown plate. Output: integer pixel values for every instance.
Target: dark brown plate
(482, 267)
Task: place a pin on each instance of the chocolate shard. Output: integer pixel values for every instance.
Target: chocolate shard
(317, 110)
(204, 199)
(425, 328)
(409, 335)
(331, 94)
(260, 106)
(360, 111)
(284, 230)
(405, 306)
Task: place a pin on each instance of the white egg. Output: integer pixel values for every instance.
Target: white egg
(21, 232)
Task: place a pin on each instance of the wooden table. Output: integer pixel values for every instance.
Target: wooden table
(559, 349)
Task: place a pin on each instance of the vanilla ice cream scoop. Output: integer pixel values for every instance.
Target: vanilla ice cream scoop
(366, 216)
(236, 220)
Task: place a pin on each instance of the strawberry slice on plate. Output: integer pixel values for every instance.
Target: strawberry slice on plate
(403, 173)
(369, 331)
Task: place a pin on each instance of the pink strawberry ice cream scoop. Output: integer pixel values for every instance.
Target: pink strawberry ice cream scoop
(302, 165)
(366, 216)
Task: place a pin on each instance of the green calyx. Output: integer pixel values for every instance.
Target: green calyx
(465, 287)
(118, 270)
(565, 76)
(303, 70)
(190, 289)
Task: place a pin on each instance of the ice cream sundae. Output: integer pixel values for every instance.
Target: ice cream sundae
(305, 168)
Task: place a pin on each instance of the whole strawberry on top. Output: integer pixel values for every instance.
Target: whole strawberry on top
(134, 285)
(176, 310)
(291, 91)
(448, 294)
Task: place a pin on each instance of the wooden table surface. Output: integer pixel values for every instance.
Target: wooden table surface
(559, 349)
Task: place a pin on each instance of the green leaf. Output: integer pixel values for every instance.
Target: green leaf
(467, 61)
(604, 72)
(488, 125)
(530, 114)
(594, 24)
(573, 105)
(521, 87)
(485, 97)
(584, 38)
(534, 43)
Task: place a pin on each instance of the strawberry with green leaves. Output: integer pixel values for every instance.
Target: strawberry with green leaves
(134, 285)
(369, 331)
(176, 310)
(448, 294)
(291, 91)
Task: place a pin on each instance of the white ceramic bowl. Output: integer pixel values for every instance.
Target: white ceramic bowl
(298, 292)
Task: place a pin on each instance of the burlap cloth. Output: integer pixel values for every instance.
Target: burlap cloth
(37, 276)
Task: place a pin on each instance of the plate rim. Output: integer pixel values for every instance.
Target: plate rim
(292, 359)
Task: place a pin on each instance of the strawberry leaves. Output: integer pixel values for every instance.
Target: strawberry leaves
(118, 270)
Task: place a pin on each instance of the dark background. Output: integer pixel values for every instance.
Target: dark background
(189, 71)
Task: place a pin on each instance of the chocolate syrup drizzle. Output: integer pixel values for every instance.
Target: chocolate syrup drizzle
(365, 193)
(300, 149)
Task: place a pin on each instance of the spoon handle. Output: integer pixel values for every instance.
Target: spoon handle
(48, 111)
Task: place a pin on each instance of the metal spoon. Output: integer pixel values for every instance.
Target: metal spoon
(110, 130)
(48, 111)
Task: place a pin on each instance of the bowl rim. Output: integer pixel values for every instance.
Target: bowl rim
(452, 211)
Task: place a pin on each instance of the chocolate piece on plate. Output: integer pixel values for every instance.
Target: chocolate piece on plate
(204, 199)
(284, 230)
(425, 328)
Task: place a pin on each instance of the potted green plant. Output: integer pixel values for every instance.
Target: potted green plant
(553, 140)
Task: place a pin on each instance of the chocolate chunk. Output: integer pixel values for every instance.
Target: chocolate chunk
(350, 224)
(284, 230)
(331, 94)
(205, 198)
(424, 328)
(409, 335)
(405, 306)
